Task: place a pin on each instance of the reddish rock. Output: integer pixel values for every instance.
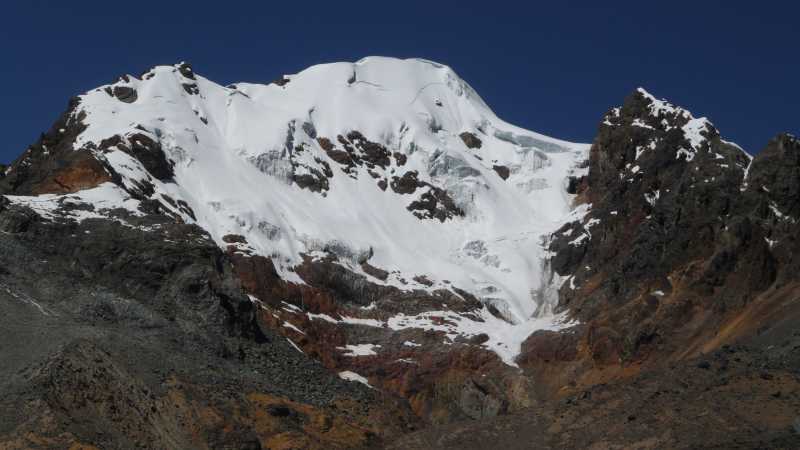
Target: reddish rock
(374, 271)
(83, 173)
(549, 346)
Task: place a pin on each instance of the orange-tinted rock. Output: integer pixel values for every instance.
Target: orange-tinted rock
(549, 346)
(83, 173)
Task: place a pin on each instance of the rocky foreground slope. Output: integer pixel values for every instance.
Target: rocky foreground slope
(363, 255)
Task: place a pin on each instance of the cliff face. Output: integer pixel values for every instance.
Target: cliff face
(171, 278)
(684, 233)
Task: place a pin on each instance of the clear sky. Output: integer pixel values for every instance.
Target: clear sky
(554, 68)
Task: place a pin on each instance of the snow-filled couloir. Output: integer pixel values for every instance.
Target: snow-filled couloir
(398, 163)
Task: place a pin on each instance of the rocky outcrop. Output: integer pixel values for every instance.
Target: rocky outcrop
(433, 203)
(436, 203)
(282, 81)
(407, 184)
(125, 94)
(149, 153)
(84, 171)
(186, 70)
(679, 242)
(502, 171)
(52, 164)
(314, 180)
(775, 172)
(355, 150)
(470, 140)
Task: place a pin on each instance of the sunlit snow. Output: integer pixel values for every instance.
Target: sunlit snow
(229, 146)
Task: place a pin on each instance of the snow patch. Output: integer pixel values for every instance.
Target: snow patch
(352, 376)
(292, 327)
(359, 349)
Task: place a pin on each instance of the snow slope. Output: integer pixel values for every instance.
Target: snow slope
(235, 150)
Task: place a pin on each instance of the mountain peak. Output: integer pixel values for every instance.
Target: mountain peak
(396, 164)
(643, 110)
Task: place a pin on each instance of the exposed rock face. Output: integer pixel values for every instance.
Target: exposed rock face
(407, 184)
(677, 244)
(502, 171)
(146, 150)
(471, 140)
(434, 203)
(282, 81)
(776, 172)
(655, 205)
(83, 172)
(52, 164)
(124, 94)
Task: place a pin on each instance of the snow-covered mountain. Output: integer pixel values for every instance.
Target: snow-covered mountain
(363, 254)
(398, 164)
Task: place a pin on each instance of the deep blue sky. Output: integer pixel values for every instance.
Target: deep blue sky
(554, 69)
